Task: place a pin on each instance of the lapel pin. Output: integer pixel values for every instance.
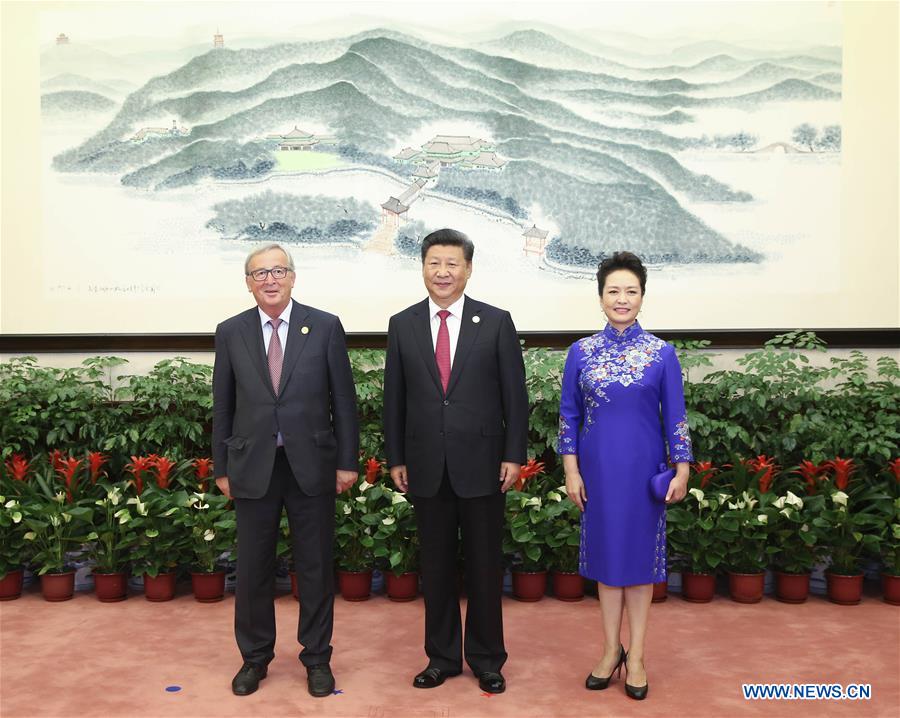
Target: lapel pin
(476, 319)
(304, 330)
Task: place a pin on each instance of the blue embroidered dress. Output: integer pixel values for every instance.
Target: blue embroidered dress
(614, 386)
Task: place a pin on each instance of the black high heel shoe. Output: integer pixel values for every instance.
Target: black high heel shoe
(636, 692)
(594, 683)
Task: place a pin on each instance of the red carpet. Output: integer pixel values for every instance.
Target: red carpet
(85, 658)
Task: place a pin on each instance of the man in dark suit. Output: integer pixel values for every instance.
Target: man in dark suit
(285, 434)
(455, 428)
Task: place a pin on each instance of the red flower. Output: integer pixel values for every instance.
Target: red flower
(373, 470)
(529, 470)
(842, 468)
(56, 458)
(96, 459)
(137, 467)
(766, 464)
(894, 466)
(706, 471)
(163, 468)
(203, 470)
(67, 470)
(811, 473)
(17, 467)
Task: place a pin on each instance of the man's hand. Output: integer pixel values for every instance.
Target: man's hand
(344, 480)
(222, 483)
(509, 474)
(398, 476)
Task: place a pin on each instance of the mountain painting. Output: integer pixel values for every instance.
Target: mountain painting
(718, 162)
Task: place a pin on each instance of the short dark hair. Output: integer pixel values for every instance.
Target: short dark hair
(621, 260)
(448, 237)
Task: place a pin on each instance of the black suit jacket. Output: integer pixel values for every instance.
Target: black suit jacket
(482, 420)
(315, 408)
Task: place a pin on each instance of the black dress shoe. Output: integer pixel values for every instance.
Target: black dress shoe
(247, 679)
(320, 680)
(491, 682)
(596, 683)
(432, 677)
(636, 692)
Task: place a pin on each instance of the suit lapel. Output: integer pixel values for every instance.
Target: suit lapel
(468, 331)
(256, 347)
(296, 341)
(421, 328)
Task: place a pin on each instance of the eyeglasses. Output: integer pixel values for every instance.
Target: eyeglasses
(260, 275)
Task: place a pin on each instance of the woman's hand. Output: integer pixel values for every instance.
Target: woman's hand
(678, 485)
(575, 489)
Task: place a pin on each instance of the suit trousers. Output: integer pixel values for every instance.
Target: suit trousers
(311, 520)
(440, 520)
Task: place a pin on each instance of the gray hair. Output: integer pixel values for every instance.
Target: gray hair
(267, 248)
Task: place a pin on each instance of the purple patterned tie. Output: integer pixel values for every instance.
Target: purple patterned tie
(442, 349)
(276, 355)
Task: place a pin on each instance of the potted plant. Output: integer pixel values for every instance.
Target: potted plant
(564, 541)
(54, 528)
(356, 515)
(396, 545)
(744, 526)
(12, 548)
(525, 538)
(210, 525)
(110, 542)
(795, 539)
(850, 524)
(162, 542)
(890, 537)
(692, 532)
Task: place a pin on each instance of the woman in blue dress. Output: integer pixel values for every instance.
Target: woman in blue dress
(622, 403)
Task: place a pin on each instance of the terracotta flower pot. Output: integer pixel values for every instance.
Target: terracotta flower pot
(890, 588)
(58, 586)
(746, 587)
(529, 585)
(844, 590)
(355, 585)
(11, 585)
(660, 591)
(698, 587)
(208, 587)
(110, 587)
(791, 587)
(568, 586)
(160, 587)
(404, 587)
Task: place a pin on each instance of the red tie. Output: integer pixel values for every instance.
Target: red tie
(275, 356)
(442, 349)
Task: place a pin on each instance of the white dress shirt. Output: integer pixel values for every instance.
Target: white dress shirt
(454, 322)
(285, 318)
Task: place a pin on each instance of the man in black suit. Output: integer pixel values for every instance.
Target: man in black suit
(455, 428)
(285, 434)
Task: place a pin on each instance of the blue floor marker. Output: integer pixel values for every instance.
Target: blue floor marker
(173, 689)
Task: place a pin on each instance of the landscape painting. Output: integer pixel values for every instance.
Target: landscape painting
(171, 144)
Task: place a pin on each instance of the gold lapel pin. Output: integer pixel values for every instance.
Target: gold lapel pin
(304, 330)
(476, 319)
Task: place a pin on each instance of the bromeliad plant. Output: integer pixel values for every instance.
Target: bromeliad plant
(113, 536)
(211, 528)
(794, 534)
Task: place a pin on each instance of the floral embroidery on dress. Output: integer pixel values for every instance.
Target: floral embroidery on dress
(659, 555)
(566, 437)
(681, 449)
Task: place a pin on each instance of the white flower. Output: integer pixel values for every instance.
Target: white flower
(794, 500)
(751, 502)
(209, 535)
(9, 504)
(805, 527)
(763, 519)
(840, 498)
(739, 505)
(786, 512)
(113, 495)
(398, 499)
(364, 486)
(361, 499)
(123, 516)
(553, 496)
(60, 497)
(723, 498)
(703, 504)
(30, 536)
(54, 521)
(347, 509)
(388, 521)
(697, 494)
(16, 516)
(533, 501)
(2, 499)
(779, 502)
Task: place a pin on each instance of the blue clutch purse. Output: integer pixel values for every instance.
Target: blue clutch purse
(659, 483)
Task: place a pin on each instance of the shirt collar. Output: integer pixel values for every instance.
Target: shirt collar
(285, 316)
(455, 309)
(631, 332)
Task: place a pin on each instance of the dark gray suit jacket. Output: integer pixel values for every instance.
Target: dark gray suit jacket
(482, 420)
(315, 408)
